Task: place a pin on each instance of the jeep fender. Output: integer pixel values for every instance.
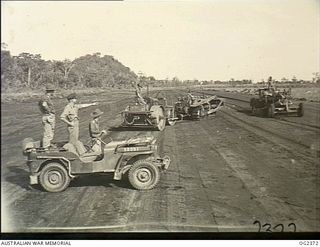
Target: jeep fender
(65, 162)
(125, 164)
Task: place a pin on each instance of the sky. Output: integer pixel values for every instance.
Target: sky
(204, 40)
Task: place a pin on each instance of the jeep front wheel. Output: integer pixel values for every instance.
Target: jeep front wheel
(54, 177)
(143, 175)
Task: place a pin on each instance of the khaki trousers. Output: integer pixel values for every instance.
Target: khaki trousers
(48, 123)
(74, 137)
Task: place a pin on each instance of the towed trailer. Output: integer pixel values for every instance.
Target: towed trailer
(197, 107)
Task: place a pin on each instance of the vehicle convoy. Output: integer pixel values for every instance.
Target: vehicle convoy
(196, 107)
(138, 158)
(156, 113)
(271, 102)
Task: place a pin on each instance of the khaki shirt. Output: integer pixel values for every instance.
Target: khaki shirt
(48, 108)
(70, 113)
(94, 129)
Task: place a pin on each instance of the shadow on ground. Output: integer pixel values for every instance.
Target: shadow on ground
(98, 180)
(248, 112)
(18, 176)
(122, 128)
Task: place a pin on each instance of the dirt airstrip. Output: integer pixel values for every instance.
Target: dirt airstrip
(229, 172)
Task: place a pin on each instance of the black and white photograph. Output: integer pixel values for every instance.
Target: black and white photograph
(160, 116)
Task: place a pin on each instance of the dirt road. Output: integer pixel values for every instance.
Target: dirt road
(229, 172)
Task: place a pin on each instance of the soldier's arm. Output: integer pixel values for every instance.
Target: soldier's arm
(95, 131)
(45, 106)
(86, 105)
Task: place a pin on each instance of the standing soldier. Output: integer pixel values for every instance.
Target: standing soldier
(71, 118)
(48, 117)
(271, 87)
(140, 99)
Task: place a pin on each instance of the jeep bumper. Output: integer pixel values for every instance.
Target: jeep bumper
(165, 162)
(33, 179)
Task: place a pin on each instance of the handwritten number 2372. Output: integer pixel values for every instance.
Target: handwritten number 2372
(267, 227)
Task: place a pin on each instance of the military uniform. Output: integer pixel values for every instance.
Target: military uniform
(48, 120)
(94, 129)
(140, 99)
(95, 133)
(70, 113)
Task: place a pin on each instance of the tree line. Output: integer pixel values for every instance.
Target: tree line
(28, 70)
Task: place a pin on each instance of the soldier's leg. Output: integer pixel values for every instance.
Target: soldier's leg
(74, 138)
(47, 132)
(76, 129)
(79, 145)
(53, 126)
(50, 133)
(52, 123)
(80, 148)
(72, 135)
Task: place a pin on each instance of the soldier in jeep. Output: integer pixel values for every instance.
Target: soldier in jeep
(71, 118)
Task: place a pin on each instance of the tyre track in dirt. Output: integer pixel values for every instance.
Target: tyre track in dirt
(230, 201)
(276, 209)
(290, 144)
(161, 209)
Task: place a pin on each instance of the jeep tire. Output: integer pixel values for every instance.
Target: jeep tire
(54, 177)
(143, 175)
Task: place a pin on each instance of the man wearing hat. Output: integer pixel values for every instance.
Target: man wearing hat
(48, 116)
(94, 131)
(140, 99)
(71, 118)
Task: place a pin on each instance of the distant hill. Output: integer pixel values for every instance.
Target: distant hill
(93, 70)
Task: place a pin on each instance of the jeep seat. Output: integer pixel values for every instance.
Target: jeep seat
(87, 157)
